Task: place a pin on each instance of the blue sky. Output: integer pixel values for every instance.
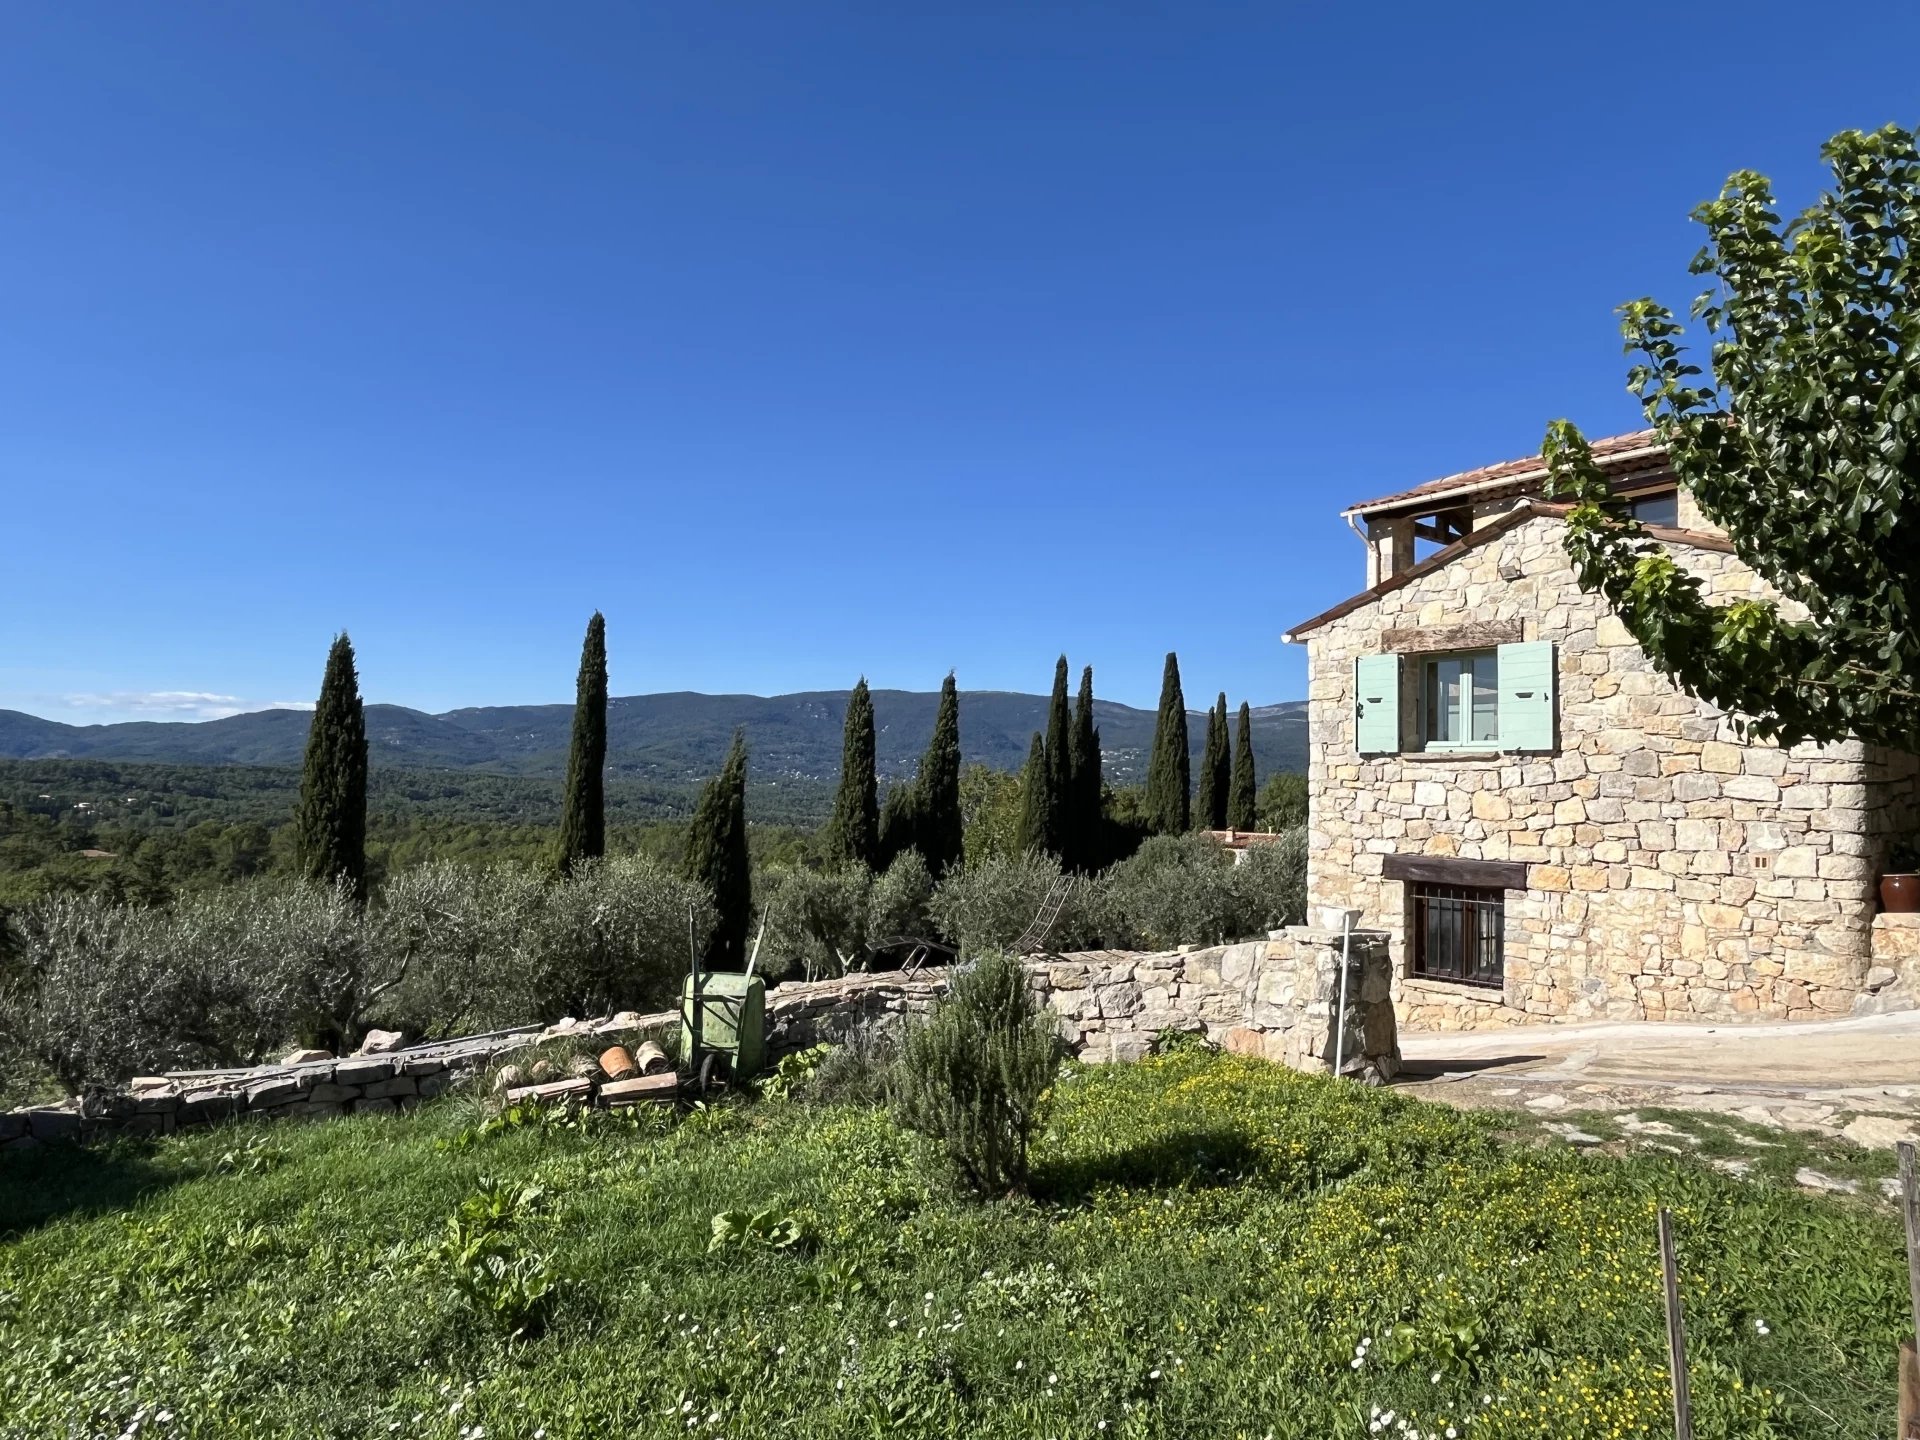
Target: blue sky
(810, 340)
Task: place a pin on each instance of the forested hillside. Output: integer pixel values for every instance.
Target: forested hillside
(671, 739)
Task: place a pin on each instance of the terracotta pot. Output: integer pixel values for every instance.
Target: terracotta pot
(1900, 894)
(618, 1063)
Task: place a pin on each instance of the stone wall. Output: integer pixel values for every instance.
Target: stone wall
(1894, 981)
(1674, 871)
(1276, 998)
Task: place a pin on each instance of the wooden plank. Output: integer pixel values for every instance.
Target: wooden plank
(1425, 639)
(1910, 1205)
(1909, 1392)
(1676, 1332)
(640, 1089)
(552, 1092)
(1444, 870)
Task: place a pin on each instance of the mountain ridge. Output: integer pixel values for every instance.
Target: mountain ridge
(668, 736)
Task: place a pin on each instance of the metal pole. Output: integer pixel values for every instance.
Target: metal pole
(1676, 1332)
(693, 991)
(1340, 1020)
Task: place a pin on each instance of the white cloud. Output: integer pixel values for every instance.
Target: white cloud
(161, 704)
(288, 705)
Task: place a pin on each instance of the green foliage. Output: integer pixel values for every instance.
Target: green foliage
(852, 835)
(1037, 827)
(1169, 781)
(986, 906)
(1803, 444)
(940, 833)
(1283, 801)
(1089, 843)
(511, 1289)
(1216, 771)
(1241, 804)
(1060, 838)
(717, 859)
(990, 807)
(583, 813)
(833, 921)
(1177, 890)
(330, 826)
(793, 1073)
(1237, 1228)
(975, 1075)
(763, 1229)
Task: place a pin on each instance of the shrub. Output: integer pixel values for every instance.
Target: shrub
(858, 1070)
(898, 902)
(976, 1074)
(1176, 890)
(506, 944)
(815, 918)
(988, 905)
(1271, 884)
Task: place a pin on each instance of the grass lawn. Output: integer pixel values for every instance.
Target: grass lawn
(1215, 1247)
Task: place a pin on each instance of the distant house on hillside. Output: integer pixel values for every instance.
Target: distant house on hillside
(1543, 824)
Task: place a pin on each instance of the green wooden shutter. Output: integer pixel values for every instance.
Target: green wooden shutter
(1376, 689)
(1528, 696)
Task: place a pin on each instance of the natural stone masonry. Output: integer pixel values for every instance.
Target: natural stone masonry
(1275, 998)
(1674, 871)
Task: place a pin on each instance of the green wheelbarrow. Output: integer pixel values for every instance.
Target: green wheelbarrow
(723, 1027)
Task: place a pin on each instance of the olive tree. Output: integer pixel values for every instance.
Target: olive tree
(1803, 444)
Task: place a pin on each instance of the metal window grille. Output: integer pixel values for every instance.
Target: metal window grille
(1459, 933)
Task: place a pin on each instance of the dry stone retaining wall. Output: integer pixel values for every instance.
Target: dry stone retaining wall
(1276, 998)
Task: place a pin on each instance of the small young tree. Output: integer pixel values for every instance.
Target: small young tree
(717, 858)
(1803, 444)
(1089, 823)
(1241, 789)
(853, 834)
(977, 1074)
(330, 826)
(1282, 803)
(583, 815)
(1169, 767)
(1036, 801)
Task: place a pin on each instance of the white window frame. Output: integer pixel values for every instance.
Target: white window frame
(1461, 712)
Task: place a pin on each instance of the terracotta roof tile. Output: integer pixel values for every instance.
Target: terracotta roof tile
(1521, 472)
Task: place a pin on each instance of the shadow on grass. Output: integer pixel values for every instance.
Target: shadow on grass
(1192, 1158)
(54, 1182)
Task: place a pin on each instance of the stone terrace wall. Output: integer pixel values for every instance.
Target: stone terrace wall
(1271, 998)
(1675, 872)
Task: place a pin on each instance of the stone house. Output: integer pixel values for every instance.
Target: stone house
(1542, 825)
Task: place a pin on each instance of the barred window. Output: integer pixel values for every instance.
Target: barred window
(1459, 933)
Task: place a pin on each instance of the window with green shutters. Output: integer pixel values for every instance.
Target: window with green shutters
(1502, 698)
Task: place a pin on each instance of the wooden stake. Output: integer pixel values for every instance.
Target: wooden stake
(1910, 1203)
(1909, 1391)
(1676, 1333)
(1909, 1354)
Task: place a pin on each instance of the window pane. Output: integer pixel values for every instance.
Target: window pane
(1449, 700)
(1486, 697)
(1661, 509)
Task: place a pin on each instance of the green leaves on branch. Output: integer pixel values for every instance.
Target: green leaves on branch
(1803, 444)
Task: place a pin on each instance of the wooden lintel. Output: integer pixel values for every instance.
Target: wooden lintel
(1445, 870)
(1419, 639)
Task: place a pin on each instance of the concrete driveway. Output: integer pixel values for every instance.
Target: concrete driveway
(1854, 1078)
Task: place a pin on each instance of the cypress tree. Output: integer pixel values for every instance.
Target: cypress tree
(1036, 799)
(1216, 760)
(583, 814)
(331, 824)
(853, 834)
(1089, 821)
(717, 858)
(899, 824)
(939, 829)
(1063, 838)
(1169, 767)
(1240, 797)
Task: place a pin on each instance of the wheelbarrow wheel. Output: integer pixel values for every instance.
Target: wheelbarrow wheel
(713, 1073)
